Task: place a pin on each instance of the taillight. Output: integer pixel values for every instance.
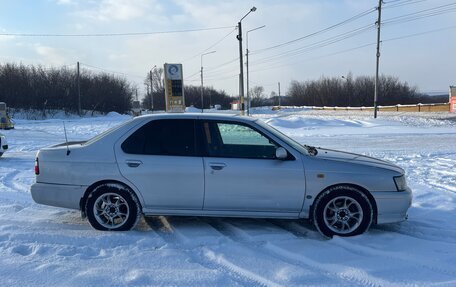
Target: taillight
(37, 166)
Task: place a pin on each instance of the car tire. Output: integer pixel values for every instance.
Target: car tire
(342, 211)
(1, 154)
(112, 207)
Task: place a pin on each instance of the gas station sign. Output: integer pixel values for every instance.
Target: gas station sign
(174, 88)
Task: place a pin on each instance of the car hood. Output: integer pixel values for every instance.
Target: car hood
(335, 155)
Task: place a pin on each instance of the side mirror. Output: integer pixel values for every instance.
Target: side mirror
(281, 153)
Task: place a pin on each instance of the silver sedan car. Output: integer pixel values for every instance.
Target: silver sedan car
(217, 165)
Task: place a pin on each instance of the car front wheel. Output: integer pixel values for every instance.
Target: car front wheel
(343, 211)
(112, 207)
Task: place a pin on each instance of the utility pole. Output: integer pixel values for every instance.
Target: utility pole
(279, 93)
(79, 94)
(379, 24)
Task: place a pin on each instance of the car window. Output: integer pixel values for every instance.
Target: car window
(163, 137)
(224, 139)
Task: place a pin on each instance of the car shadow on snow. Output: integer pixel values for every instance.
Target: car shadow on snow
(183, 228)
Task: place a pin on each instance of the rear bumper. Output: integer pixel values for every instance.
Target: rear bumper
(59, 195)
(392, 206)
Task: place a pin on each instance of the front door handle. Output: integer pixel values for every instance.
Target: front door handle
(134, 163)
(217, 165)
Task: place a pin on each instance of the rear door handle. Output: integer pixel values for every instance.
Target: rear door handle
(134, 163)
(217, 165)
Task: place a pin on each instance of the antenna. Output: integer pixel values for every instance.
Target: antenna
(66, 139)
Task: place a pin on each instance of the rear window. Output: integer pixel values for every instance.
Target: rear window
(163, 137)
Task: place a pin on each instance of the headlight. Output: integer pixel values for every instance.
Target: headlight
(400, 182)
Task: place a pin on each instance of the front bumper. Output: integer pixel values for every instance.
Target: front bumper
(392, 206)
(59, 195)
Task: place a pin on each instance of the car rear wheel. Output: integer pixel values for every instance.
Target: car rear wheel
(112, 207)
(343, 211)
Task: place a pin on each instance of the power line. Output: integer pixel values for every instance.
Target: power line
(316, 45)
(192, 75)
(212, 70)
(395, 1)
(113, 34)
(212, 46)
(419, 34)
(409, 2)
(222, 65)
(274, 66)
(215, 70)
(342, 36)
(217, 78)
(111, 71)
(351, 19)
(222, 78)
(355, 48)
(300, 50)
(422, 14)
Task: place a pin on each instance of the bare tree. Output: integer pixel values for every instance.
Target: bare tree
(257, 96)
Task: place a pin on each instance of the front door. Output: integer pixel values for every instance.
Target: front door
(242, 173)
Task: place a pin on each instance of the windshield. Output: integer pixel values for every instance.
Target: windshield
(282, 136)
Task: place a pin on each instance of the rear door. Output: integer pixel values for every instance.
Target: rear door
(242, 173)
(161, 159)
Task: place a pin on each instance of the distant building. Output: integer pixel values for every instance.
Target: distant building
(453, 99)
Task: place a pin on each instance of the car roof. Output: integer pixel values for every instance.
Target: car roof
(208, 116)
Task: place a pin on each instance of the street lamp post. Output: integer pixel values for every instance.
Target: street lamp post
(247, 64)
(241, 64)
(202, 90)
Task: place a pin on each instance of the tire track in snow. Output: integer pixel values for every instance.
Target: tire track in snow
(222, 261)
(435, 170)
(420, 231)
(333, 272)
(176, 237)
(14, 180)
(393, 257)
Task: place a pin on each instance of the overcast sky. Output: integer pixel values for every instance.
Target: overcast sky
(426, 61)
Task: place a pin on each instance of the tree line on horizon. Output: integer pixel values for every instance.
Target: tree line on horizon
(37, 88)
(355, 92)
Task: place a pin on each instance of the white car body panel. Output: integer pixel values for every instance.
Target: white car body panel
(254, 185)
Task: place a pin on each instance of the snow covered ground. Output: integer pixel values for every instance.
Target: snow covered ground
(41, 245)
